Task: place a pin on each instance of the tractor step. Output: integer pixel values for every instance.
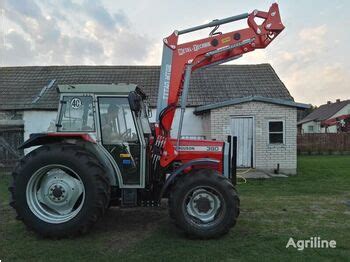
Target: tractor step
(150, 203)
(129, 197)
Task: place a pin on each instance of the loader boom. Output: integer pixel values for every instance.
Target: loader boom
(180, 60)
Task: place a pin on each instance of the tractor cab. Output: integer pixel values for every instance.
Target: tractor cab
(116, 116)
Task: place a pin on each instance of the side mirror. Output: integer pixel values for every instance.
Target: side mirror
(135, 102)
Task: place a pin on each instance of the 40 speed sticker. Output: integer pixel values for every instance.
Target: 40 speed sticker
(75, 103)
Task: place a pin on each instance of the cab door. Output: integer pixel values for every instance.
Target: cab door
(122, 138)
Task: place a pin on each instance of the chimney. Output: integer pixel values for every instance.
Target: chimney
(329, 102)
(338, 100)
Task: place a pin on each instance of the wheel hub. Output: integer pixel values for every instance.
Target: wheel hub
(203, 205)
(55, 193)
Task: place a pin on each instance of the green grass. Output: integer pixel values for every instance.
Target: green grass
(314, 203)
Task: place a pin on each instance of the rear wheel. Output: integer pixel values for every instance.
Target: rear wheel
(59, 190)
(204, 204)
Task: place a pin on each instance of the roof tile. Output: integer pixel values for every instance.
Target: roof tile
(20, 85)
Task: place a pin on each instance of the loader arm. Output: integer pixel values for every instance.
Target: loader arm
(180, 60)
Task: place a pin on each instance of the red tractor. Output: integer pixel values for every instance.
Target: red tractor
(105, 152)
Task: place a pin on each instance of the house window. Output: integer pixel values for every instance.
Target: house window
(276, 132)
(310, 129)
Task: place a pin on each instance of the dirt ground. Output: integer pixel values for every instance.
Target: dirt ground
(125, 227)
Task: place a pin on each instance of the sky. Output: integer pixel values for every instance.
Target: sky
(311, 56)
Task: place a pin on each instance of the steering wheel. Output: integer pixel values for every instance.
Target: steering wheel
(127, 133)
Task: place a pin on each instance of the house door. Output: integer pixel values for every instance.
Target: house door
(242, 127)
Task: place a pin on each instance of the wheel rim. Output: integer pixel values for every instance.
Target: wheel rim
(55, 194)
(204, 206)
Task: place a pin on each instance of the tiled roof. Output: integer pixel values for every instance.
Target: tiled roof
(324, 111)
(20, 85)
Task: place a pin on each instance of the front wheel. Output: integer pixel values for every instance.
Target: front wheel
(204, 204)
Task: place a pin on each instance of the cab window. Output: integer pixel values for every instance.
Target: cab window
(144, 120)
(117, 122)
(76, 114)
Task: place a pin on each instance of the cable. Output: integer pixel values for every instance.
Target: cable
(244, 180)
(163, 113)
(239, 175)
(245, 172)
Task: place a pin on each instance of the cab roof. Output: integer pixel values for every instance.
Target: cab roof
(118, 89)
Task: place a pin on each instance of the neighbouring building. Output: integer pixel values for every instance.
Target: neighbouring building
(312, 123)
(248, 101)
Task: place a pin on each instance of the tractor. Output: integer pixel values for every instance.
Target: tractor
(105, 152)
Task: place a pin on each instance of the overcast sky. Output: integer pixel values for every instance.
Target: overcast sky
(311, 55)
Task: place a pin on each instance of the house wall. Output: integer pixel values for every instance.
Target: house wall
(344, 111)
(192, 125)
(38, 121)
(316, 127)
(330, 129)
(266, 156)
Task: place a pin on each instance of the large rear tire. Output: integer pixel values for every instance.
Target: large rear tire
(59, 190)
(204, 204)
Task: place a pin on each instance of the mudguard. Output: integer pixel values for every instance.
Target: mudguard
(38, 139)
(171, 178)
(81, 139)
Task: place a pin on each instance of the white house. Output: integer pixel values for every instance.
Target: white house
(312, 122)
(248, 101)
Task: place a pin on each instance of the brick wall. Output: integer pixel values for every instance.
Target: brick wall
(266, 156)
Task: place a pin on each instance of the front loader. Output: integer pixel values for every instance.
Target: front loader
(105, 152)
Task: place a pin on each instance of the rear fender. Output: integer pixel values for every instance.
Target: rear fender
(38, 139)
(172, 177)
(81, 139)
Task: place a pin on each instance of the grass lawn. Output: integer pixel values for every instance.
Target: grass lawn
(314, 203)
